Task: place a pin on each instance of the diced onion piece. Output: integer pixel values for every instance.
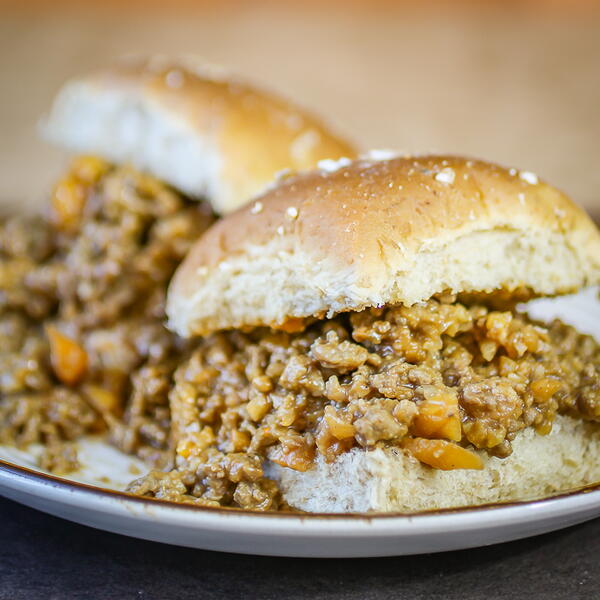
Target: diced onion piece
(339, 428)
(196, 442)
(102, 399)
(543, 389)
(438, 417)
(298, 458)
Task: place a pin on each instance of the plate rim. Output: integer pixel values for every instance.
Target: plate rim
(64, 483)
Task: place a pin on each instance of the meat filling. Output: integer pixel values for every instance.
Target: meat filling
(83, 348)
(438, 379)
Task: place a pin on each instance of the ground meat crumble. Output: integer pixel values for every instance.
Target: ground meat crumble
(437, 379)
(83, 348)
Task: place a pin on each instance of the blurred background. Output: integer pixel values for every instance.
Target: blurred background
(514, 82)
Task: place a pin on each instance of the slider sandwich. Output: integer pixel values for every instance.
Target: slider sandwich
(359, 346)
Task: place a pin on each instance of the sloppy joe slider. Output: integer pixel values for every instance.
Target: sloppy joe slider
(362, 349)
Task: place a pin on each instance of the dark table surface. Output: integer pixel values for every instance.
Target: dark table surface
(46, 557)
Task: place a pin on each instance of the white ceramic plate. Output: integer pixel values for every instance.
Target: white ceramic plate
(93, 497)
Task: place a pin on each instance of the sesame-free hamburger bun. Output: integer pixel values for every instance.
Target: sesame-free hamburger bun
(205, 134)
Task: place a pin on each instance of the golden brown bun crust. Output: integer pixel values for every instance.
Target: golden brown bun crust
(233, 137)
(380, 232)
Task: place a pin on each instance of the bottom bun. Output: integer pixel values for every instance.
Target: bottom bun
(390, 480)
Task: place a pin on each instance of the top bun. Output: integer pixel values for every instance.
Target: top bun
(209, 137)
(372, 233)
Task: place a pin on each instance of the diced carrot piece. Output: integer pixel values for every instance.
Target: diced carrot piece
(68, 202)
(292, 325)
(69, 360)
(441, 454)
(438, 417)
